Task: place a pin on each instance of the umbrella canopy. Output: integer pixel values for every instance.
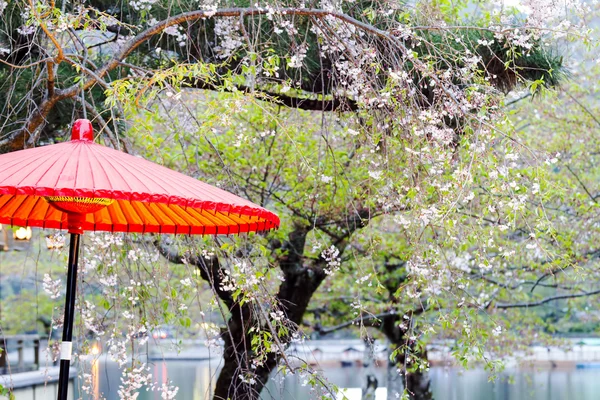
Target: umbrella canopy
(127, 193)
(79, 186)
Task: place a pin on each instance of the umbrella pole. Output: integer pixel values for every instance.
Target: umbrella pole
(66, 345)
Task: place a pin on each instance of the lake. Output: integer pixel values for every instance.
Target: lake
(194, 379)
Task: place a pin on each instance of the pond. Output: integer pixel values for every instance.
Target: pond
(195, 378)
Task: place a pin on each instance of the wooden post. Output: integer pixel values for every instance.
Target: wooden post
(3, 358)
(36, 352)
(21, 363)
(5, 237)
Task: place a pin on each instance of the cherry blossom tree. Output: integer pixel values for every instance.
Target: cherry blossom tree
(375, 129)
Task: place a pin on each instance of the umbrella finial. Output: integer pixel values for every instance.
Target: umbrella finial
(82, 130)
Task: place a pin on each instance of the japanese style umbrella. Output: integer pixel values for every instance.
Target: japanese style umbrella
(82, 186)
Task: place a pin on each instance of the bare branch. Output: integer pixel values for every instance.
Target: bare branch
(546, 300)
(210, 269)
(302, 103)
(50, 72)
(371, 320)
(591, 114)
(592, 197)
(28, 135)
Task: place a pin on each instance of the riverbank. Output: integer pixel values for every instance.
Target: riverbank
(578, 353)
(582, 353)
(41, 384)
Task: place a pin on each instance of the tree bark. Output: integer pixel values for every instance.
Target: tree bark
(240, 379)
(416, 383)
(234, 382)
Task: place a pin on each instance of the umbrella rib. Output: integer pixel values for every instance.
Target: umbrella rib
(62, 169)
(176, 186)
(37, 200)
(17, 160)
(185, 215)
(108, 162)
(136, 206)
(212, 218)
(107, 217)
(104, 163)
(202, 218)
(49, 211)
(112, 159)
(156, 210)
(238, 221)
(19, 200)
(100, 168)
(59, 175)
(173, 214)
(181, 181)
(76, 170)
(151, 177)
(33, 160)
(112, 211)
(230, 222)
(89, 161)
(4, 199)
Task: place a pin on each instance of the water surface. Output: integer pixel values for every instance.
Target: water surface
(195, 378)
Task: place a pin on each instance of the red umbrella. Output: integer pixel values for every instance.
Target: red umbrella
(80, 186)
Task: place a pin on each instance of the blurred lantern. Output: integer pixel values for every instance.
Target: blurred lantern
(95, 349)
(23, 233)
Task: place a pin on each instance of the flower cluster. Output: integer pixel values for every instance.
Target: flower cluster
(52, 287)
(229, 36)
(331, 257)
(243, 276)
(178, 33)
(142, 5)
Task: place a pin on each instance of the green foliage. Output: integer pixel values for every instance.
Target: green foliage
(6, 392)
(434, 219)
(505, 64)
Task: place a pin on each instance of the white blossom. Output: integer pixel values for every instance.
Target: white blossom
(331, 256)
(52, 287)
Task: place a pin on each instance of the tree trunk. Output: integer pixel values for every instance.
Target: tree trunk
(418, 384)
(234, 380)
(239, 379)
(400, 369)
(394, 379)
(369, 392)
(399, 376)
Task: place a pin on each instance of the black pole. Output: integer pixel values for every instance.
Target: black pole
(67, 335)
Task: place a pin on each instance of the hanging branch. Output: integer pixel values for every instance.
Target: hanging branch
(546, 300)
(29, 134)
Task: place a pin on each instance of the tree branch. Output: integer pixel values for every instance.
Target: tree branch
(546, 300)
(28, 135)
(50, 72)
(210, 269)
(591, 114)
(373, 319)
(103, 125)
(335, 104)
(592, 197)
(553, 272)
